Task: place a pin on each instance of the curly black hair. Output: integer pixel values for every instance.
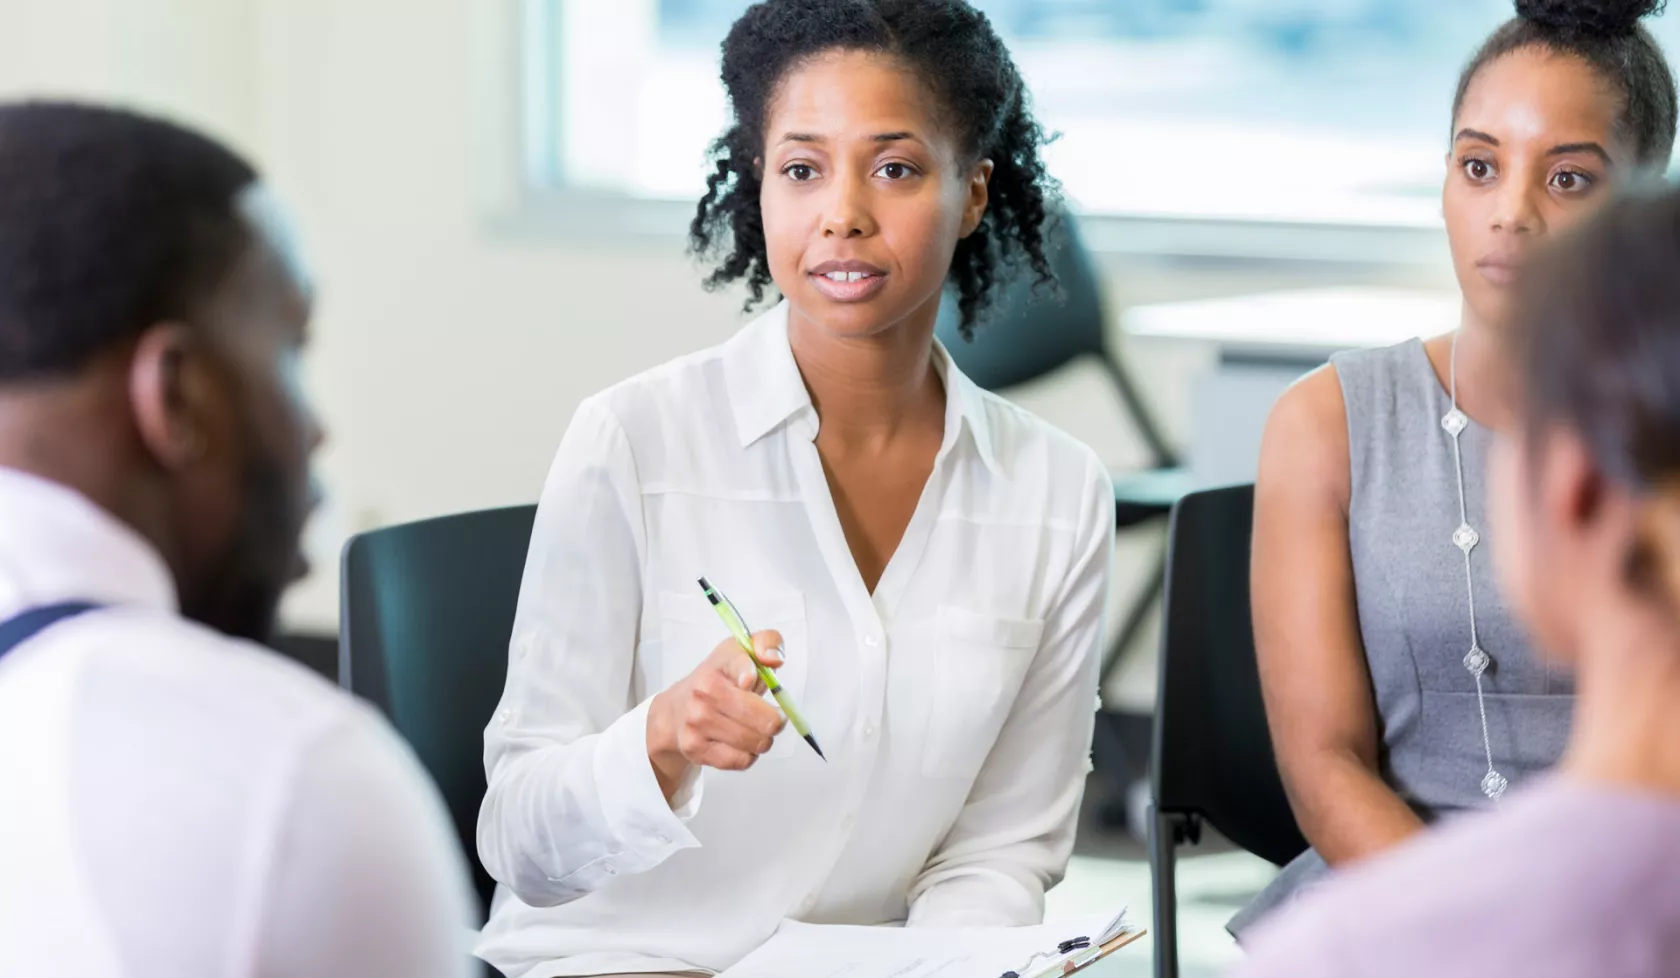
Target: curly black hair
(110, 221)
(956, 53)
(1607, 35)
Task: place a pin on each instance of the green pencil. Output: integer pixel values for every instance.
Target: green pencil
(738, 628)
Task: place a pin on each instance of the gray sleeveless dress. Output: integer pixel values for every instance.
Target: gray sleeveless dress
(1414, 612)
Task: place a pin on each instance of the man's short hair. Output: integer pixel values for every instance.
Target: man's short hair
(110, 222)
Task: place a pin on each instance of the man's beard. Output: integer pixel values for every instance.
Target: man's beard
(241, 593)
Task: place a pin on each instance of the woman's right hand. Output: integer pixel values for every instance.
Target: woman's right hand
(716, 716)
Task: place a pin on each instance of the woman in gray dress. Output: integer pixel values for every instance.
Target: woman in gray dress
(1397, 687)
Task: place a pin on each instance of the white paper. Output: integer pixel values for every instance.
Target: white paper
(817, 951)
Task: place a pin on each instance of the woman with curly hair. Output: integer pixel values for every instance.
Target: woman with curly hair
(929, 563)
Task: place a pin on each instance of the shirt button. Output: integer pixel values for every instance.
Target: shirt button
(869, 731)
(662, 840)
(872, 640)
(505, 715)
(612, 871)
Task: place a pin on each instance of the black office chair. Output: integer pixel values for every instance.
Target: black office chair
(1026, 334)
(1213, 753)
(427, 610)
(316, 652)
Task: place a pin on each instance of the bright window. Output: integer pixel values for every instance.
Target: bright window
(1324, 111)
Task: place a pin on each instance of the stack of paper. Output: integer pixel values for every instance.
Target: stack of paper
(817, 951)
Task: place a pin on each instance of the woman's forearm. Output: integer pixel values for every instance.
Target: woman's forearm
(1347, 811)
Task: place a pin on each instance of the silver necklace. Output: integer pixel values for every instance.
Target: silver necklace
(1465, 539)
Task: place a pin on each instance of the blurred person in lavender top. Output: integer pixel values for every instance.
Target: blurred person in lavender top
(1578, 875)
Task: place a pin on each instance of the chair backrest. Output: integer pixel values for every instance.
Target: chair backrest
(1025, 333)
(1213, 752)
(427, 610)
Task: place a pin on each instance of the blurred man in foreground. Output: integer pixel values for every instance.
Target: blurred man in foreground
(177, 801)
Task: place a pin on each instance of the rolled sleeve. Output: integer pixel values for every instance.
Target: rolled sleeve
(572, 800)
(631, 800)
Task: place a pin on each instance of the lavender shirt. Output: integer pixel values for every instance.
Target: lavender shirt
(1569, 880)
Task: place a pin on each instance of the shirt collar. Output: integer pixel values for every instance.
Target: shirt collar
(965, 408)
(766, 389)
(57, 545)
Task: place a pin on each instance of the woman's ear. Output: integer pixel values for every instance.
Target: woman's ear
(169, 397)
(978, 193)
(1572, 491)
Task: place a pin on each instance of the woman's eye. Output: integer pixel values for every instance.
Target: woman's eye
(799, 171)
(1571, 181)
(896, 171)
(1477, 169)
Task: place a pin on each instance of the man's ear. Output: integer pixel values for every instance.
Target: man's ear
(168, 391)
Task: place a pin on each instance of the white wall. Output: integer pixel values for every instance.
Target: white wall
(448, 356)
(188, 57)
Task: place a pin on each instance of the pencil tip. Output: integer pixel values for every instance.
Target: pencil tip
(809, 739)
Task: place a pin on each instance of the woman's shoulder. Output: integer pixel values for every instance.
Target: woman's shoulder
(1304, 450)
(1314, 400)
(1353, 389)
(1391, 357)
(752, 372)
(1037, 457)
(687, 388)
(1374, 374)
(1020, 435)
(1311, 412)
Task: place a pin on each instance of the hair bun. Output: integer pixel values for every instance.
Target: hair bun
(1600, 18)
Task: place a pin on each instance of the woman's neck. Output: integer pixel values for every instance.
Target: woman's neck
(867, 389)
(1627, 710)
(1484, 372)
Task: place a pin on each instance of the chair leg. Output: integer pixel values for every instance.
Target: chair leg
(1163, 865)
(1162, 454)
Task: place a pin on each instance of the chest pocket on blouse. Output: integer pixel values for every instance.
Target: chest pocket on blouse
(981, 663)
(689, 630)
